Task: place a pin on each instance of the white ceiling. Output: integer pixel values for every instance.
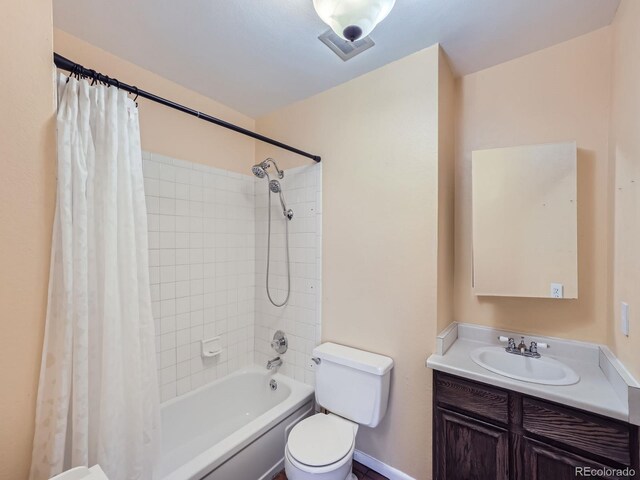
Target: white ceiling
(259, 55)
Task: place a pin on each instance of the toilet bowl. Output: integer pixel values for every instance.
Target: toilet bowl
(321, 448)
(354, 386)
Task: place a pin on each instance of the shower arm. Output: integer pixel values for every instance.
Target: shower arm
(275, 165)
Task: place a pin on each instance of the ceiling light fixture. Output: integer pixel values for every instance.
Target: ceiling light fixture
(353, 19)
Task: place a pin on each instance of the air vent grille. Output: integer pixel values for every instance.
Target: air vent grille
(343, 48)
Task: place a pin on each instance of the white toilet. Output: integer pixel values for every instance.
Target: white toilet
(354, 386)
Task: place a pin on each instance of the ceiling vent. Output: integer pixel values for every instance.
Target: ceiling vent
(345, 49)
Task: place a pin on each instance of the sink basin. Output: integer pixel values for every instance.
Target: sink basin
(543, 370)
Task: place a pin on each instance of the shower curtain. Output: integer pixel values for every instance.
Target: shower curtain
(98, 395)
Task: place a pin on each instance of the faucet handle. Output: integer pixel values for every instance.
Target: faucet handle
(509, 340)
(511, 343)
(540, 345)
(280, 343)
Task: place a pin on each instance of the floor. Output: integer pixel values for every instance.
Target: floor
(362, 472)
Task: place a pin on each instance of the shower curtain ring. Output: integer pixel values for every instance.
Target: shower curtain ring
(73, 69)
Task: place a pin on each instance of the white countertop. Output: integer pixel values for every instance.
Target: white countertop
(596, 391)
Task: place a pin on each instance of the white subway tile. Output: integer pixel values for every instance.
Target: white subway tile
(167, 172)
(183, 352)
(182, 273)
(183, 305)
(183, 385)
(167, 341)
(168, 358)
(182, 175)
(207, 238)
(167, 307)
(183, 337)
(168, 391)
(150, 169)
(168, 375)
(167, 189)
(181, 191)
(168, 324)
(183, 289)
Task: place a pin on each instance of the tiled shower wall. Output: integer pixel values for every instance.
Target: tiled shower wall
(207, 261)
(300, 318)
(202, 269)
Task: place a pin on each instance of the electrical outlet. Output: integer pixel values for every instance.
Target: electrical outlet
(557, 290)
(624, 318)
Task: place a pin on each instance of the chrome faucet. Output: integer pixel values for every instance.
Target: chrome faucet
(274, 363)
(521, 348)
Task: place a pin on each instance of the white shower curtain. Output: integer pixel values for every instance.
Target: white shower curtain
(98, 395)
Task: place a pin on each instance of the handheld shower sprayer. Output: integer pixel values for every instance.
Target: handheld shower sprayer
(260, 170)
(275, 187)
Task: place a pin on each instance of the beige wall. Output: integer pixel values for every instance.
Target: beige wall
(27, 193)
(166, 131)
(446, 181)
(554, 95)
(378, 137)
(625, 156)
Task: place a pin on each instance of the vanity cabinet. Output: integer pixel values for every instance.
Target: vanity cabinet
(482, 432)
(544, 462)
(472, 449)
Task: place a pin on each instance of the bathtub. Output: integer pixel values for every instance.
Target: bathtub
(232, 429)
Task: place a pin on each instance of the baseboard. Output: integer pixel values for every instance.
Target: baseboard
(273, 471)
(382, 468)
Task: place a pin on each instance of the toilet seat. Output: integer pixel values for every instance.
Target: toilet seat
(321, 440)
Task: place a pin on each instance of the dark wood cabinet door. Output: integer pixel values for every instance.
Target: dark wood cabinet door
(469, 449)
(544, 462)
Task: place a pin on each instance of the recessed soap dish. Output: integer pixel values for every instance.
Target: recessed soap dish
(211, 347)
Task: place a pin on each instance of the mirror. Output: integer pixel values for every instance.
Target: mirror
(525, 221)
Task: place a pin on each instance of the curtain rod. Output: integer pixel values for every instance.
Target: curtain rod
(77, 69)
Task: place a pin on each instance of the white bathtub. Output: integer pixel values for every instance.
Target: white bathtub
(232, 429)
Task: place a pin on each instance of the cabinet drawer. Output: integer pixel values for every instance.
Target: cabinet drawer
(471, 397)
(590, 433)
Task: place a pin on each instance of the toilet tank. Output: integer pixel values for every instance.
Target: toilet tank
(352, 383)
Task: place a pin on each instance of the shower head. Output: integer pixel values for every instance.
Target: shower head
(274, 186)
(259, 171)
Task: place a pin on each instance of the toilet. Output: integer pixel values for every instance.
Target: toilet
(353, 385)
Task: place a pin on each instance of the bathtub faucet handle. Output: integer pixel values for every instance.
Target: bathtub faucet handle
(280, 343)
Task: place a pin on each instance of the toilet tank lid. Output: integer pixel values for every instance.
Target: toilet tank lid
(354, 358)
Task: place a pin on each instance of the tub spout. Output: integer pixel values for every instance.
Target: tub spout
(274, 363)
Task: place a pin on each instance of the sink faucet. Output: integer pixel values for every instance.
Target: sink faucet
(521, 348)
(274, 363)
